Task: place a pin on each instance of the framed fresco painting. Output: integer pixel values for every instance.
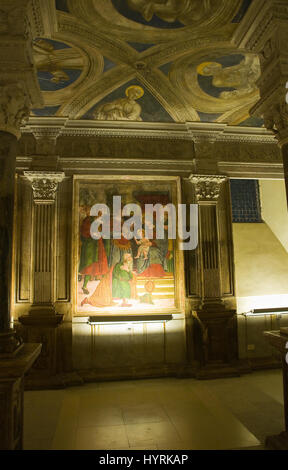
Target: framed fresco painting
(121, 275)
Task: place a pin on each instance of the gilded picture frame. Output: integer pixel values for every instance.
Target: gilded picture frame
(156, 285)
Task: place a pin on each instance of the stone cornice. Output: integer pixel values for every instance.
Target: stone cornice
(181, 168)
(173, 167)
(194, 132)
(252, 170)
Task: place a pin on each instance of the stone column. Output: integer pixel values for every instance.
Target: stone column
(42, 321)
(16, 358)
(14, 109)
(19, 91)
(215, 329)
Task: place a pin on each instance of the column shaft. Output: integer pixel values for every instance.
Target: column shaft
(8, 148)
(285, 163)
(211, 289)
(43, 242)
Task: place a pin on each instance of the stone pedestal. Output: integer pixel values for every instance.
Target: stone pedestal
(215, 343)
(279, 339)
(12, 371)
(42, 329)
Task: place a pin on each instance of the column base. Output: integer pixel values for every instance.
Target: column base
(217, 371)
(42, 311)
(215, 338)
(46, 320)
(215, 305)
(42, 326)
(10, 344)
(279, 442)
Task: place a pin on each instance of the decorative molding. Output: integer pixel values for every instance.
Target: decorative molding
(44, 185)
(43, 18)
(193, 131)
(207, 187)
(176, 167)
(252, 170)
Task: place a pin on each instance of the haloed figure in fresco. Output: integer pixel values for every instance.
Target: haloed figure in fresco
(122, 109)
(242, 77)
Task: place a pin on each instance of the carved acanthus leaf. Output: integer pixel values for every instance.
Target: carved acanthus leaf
(207, 187)
(44, 185)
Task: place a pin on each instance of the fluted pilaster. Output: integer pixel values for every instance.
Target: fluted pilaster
(207, 190)
(44, 186)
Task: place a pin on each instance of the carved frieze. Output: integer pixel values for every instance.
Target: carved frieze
(11, 18)
(14, 108)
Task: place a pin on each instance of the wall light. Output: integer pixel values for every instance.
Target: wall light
(259, 312)
(127, 319)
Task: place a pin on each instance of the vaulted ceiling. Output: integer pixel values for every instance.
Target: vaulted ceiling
(147, 60)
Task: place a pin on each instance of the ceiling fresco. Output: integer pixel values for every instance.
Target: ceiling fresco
(58, 64)
(131, 102)
(147, 60)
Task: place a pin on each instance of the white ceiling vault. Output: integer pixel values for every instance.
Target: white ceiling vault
(145, 61)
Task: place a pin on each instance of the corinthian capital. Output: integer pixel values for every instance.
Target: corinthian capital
(207, 187)
(44, 185)
(14, 108)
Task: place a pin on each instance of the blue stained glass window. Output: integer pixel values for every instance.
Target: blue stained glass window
(246, 205)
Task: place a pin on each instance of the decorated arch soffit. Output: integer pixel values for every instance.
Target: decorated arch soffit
(147, 60)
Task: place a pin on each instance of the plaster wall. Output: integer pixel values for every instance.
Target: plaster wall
(121, 348)
(274, 208)
(260, 266)
(261, 282)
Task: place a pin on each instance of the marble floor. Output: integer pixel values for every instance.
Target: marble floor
(165, 414)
